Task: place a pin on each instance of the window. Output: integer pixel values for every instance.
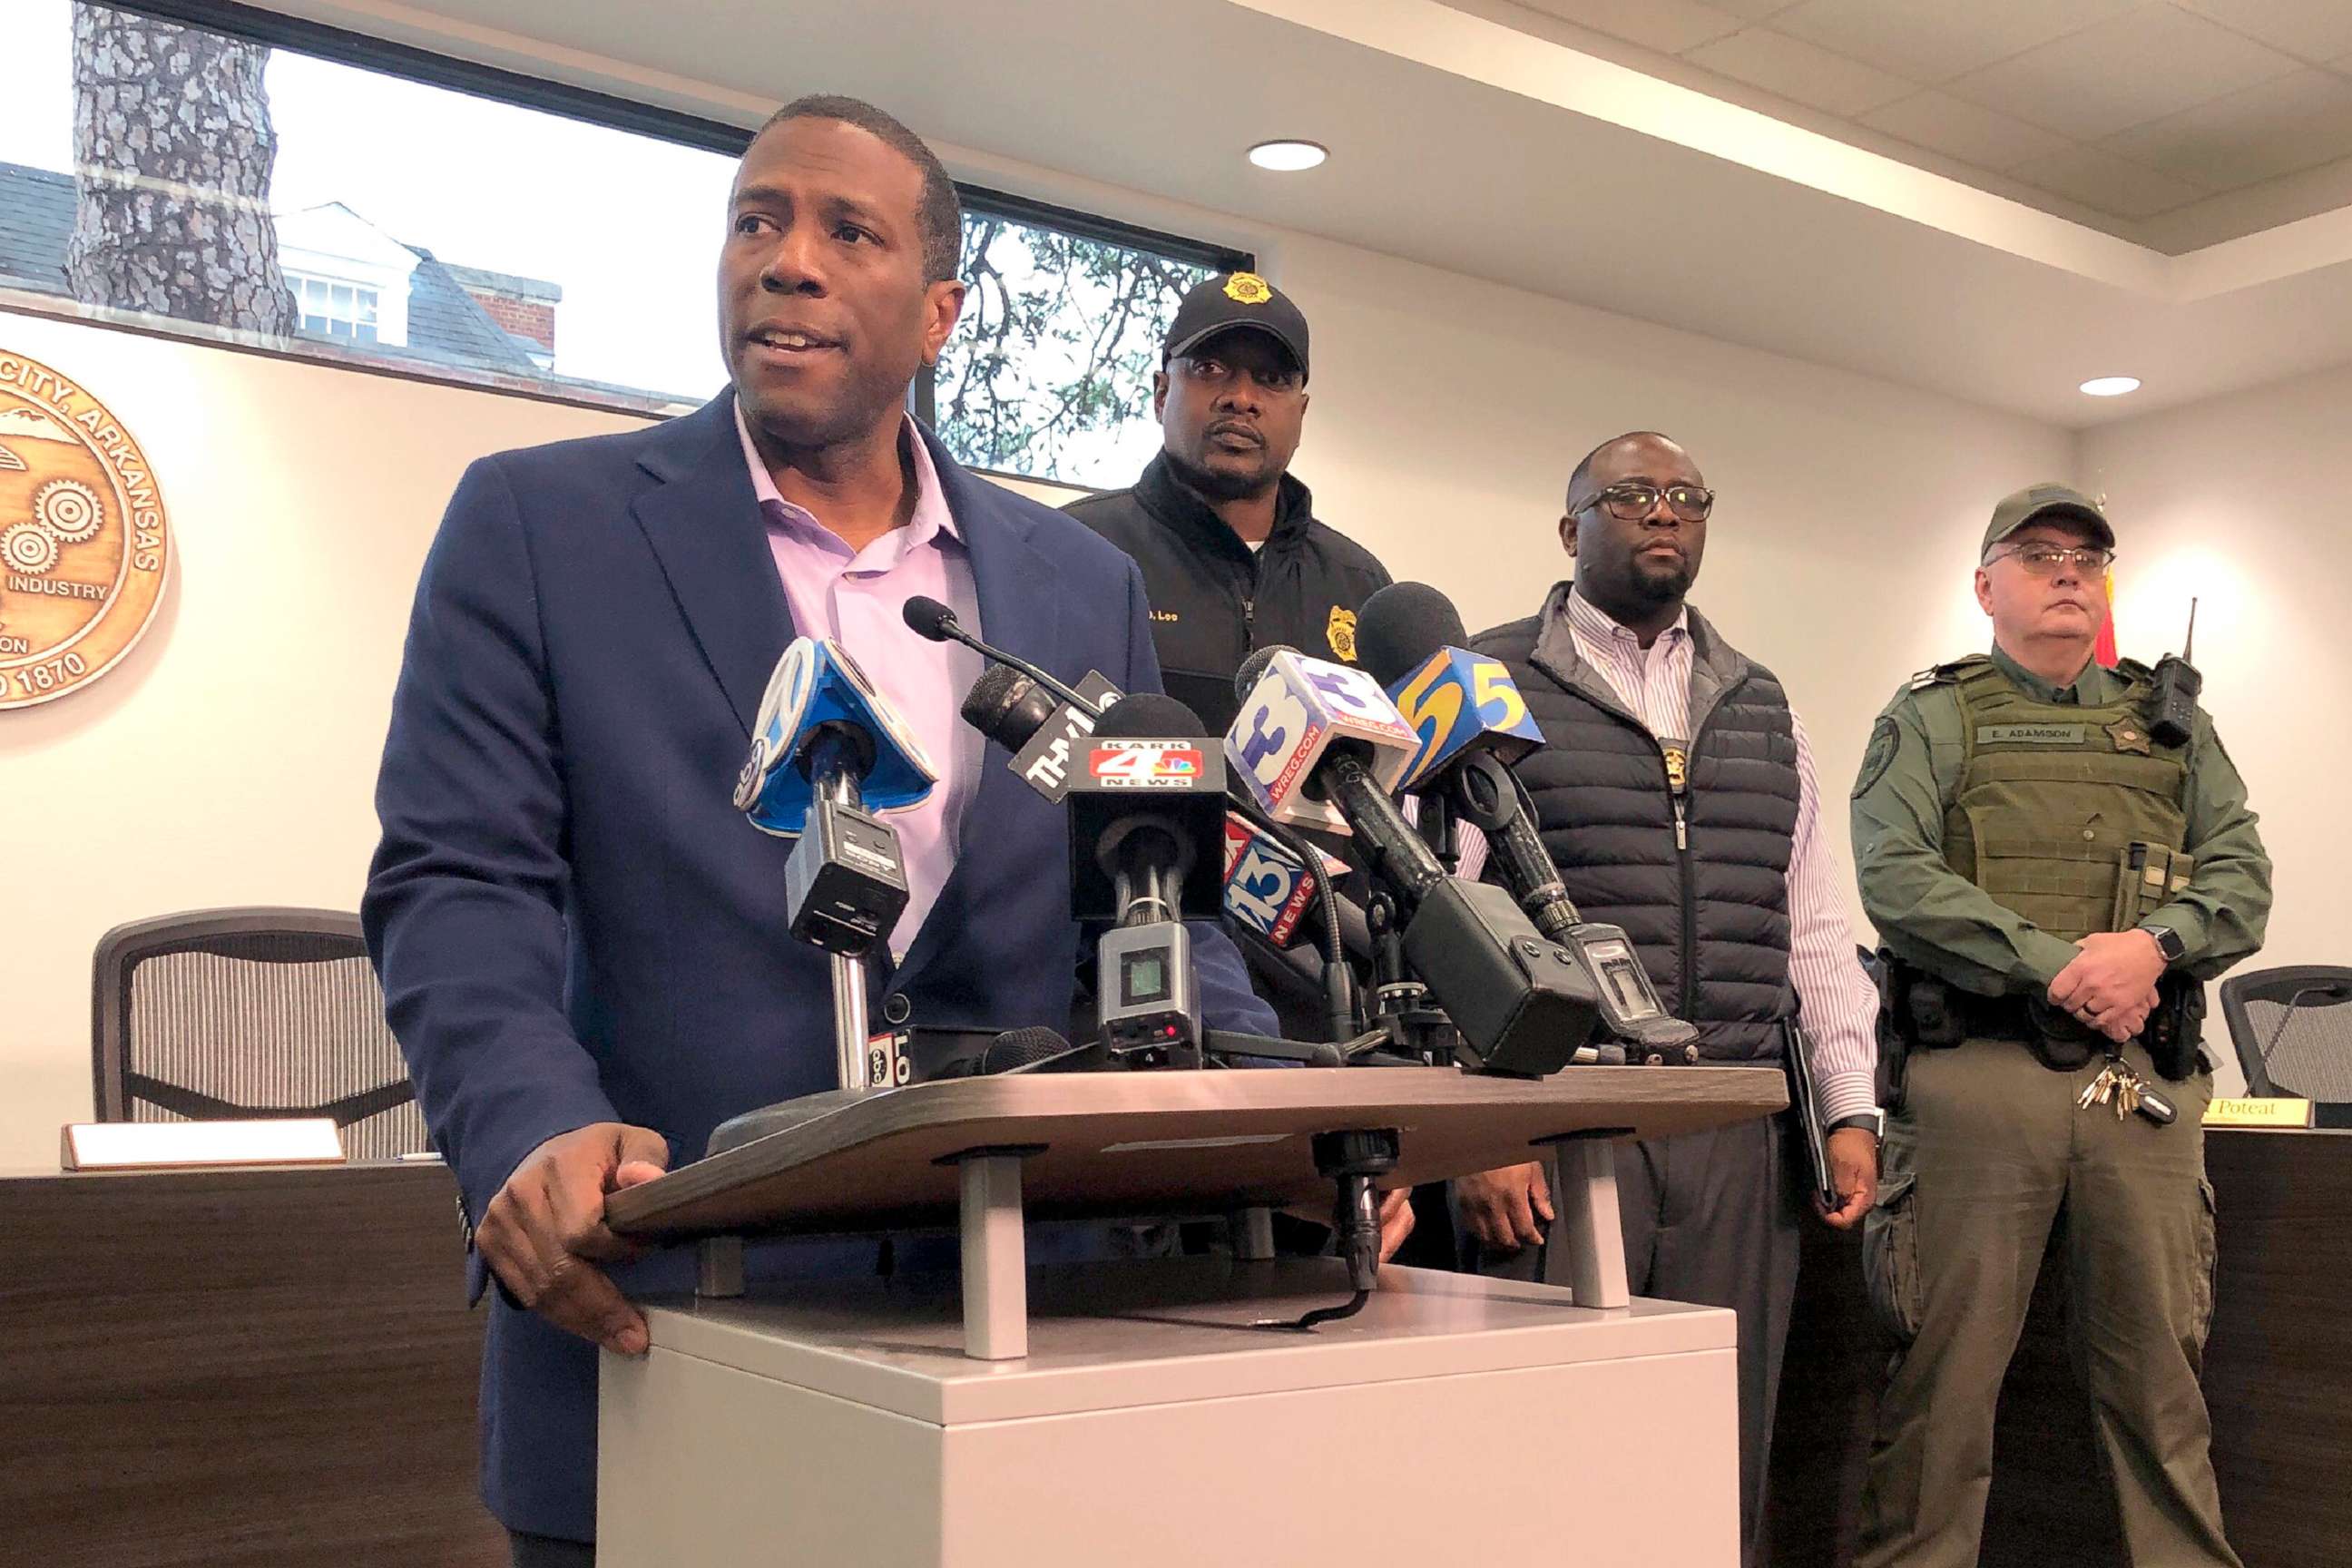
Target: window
(344, 311)
(1049, 372)
(455, 248)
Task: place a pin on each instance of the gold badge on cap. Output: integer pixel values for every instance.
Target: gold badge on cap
(1249, 289)
(1341, 631)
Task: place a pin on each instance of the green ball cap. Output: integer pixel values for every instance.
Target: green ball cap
(2036, 502)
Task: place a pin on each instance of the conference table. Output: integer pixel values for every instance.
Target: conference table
(273, 1368)
(239, 1369)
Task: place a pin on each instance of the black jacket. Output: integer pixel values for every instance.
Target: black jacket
(1213, 601)
(1700, 883)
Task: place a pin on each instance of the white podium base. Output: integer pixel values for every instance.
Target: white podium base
(1455, 1420)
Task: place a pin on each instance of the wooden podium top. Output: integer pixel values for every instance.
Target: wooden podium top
(1137, 1144)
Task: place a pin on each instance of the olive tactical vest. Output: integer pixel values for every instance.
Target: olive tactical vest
(2071, 817)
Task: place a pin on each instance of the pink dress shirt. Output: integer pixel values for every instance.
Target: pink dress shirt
(854, 597)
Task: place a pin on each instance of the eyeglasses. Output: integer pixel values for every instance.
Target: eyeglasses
(1634, 500)
(2044, 560)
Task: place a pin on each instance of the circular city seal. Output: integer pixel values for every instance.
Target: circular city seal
(84, 550)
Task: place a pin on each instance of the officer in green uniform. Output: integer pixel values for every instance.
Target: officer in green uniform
(2054, 870)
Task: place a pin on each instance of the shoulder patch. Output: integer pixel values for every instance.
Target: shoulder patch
(1885, 740)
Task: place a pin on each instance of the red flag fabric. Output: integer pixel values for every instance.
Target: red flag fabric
(2105, 649)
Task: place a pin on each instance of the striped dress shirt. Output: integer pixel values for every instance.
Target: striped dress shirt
(1836, 1002)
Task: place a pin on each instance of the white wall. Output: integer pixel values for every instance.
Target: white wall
(2242, 502)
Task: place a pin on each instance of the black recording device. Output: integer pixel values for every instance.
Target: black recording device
(845, 881)
(2175, 684)
(1406, 628)
(1145, 806)
(1043, 733)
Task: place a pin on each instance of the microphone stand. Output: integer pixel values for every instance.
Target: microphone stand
(851, 1026)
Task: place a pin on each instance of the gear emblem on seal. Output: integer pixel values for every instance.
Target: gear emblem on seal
(30, 548)
(69, 509)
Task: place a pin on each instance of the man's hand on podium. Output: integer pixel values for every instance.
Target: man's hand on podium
(545, 1233)
(1507, 1209)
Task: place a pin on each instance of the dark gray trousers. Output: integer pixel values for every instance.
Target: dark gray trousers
(549, 1552)
(1710, 1218)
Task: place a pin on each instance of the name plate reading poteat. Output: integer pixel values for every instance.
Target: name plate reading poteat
(162, 1145)
(2273, 1110)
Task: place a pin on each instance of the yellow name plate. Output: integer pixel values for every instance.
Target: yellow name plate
(2272, 1112)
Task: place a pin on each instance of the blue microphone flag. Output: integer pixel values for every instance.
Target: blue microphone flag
(816, 682)
(1457, 699)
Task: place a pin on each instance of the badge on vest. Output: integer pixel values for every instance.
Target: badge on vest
(1678, 766)
(1340, 633)
(2030, 735)
(2129, 735)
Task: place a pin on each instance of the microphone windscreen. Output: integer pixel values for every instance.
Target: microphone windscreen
(1147, 713)
(1247, 676)
(926, 618)
(1402, 625)
(1019, 1047)
(1007, 707)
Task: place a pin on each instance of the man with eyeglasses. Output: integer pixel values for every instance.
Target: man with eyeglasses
(1678, 796)
(2054, 870)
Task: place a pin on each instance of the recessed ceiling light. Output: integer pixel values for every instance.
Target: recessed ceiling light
(1287, 157)
(2110, 385)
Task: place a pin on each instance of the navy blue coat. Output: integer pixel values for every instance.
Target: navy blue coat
(574, 925)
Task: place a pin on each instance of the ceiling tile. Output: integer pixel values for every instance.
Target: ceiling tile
(1935, 41)
(2318, 30)
(2104, 182)
(2125, 71)
(1669, 26)
(2298, 121)
(1796, 70)
(1978, 137)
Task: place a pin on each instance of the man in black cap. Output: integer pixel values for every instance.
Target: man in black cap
(1233, 558)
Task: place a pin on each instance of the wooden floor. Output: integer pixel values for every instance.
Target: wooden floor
(263, 1369)
(2278, 1380)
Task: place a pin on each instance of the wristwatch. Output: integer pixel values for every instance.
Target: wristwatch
(1874, 1119)
(2168, 941)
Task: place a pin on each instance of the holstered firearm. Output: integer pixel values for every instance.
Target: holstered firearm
(1915, 1013)
(2176, 1029)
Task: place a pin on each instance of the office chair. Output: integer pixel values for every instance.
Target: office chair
(2293, 1031)
(223, 1014)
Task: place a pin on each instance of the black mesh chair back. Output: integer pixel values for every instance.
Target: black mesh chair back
(2293, 1031)
(223, 1014)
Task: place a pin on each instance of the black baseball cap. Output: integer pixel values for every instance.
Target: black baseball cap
(1231, 301)
(2038, 502)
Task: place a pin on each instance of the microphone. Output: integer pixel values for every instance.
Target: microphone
(1472, 725)
(927, 618)
(1320, 745)
(1024, 717)
(1322, 742)
(829, 754)
(1409, 637)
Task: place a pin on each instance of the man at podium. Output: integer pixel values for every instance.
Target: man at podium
(582, 944)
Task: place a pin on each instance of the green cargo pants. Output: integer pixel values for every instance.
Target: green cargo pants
(1989, 1149)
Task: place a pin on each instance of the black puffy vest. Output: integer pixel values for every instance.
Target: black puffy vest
(1711, 921)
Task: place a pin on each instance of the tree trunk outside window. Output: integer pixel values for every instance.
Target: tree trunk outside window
(173, 152)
